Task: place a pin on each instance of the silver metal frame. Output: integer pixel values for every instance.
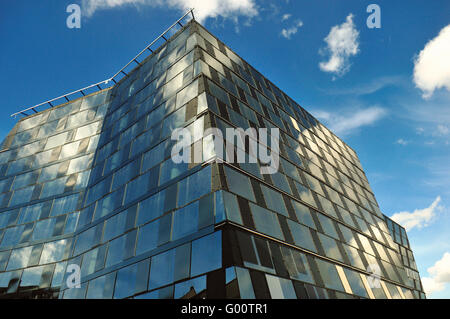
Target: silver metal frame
(115, 78)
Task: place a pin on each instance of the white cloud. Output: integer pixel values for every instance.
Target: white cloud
(342, 43)
(203, 9)
(286, 16)
(348, 122)
(432, 65)
(439, 275)
(289, 32)
(419, 218)
(420, 130)
(402, 142)
(89, 7)
(442, 129)
(370, 87)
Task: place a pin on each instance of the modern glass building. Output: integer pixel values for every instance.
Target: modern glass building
(91, 184)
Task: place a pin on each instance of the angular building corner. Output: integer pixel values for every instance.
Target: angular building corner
(91, 185)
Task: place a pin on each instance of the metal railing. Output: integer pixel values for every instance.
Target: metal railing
(115, 78)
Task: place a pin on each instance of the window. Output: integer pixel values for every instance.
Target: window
(218, 92)
(297, 265)
(328, 226)
(274, 200)
(190, 287)
(151, 208)
(153, 157)
(206, 254)
(53, 251)
(155, 116)
(266, 222)
(303, 214)
(32, 121)
(393, 290)
(18, 166)
(182, 262)
(185, 221)
(132, 279)
(44, 229)
(56, 140)
(5, 184)
(93, 261)
(329, 275)
(365, 242)
(148, 237)
(173, 121)
(161, 269)
(94, 100)
(280, 288)
(232, 207)
(21, 196)
(29, 213)
(239, 183)
(180, 65)
(12, 236)
(58, 274)
(330, 247)
(196, 129)
(31, 277)
(19, 258)
(118, 224)
(101, 287)
(78, 293)
(88, 238)
(86, 130)
(244, 283)
(125, 174)
(289, 169)
(305, 194)
(171, 170)
(356, 283)
(64, 205)
(54, 187)
(301, 235)
(121, 248)
(346, 216)
(353, 255)
(109, 203)
(334, 196)
(4, 256)
(24, 180)
(348, 235)
(195, 186)
(327, 206)
(281, 182)
(137, 187)
(144, 141)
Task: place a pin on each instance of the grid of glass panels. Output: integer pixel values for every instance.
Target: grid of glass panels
(320, 199)
(46, 164)
(91, 183)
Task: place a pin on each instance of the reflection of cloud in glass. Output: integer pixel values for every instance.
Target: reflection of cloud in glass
(53, 251)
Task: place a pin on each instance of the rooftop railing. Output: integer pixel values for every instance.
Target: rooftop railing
(112, 80)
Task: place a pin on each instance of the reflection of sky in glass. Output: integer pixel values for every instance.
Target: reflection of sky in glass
(53, 251)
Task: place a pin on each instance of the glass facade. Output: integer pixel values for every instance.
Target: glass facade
(91, 183)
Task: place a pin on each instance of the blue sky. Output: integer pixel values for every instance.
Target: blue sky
(385, 91)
